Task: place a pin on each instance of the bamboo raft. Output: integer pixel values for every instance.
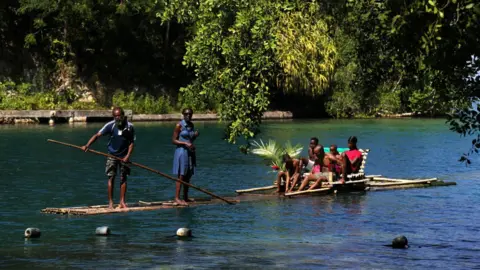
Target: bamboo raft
(132, 207)
(382, 183)
(355, 182)
(368, 183)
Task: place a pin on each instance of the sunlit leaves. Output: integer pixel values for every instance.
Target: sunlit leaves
(305, 52)
(240, 50)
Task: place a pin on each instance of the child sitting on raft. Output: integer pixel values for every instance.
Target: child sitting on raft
(291, 173)
(316, 173)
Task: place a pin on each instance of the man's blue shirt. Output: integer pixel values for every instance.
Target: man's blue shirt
(120, 139)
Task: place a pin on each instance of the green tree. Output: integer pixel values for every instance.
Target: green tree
(115, 43)
(244, 51)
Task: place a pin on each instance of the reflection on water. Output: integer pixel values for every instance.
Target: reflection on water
(30, 246)
(334, 231)
(101, 242)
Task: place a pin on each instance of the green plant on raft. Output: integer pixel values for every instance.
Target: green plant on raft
(272, 152)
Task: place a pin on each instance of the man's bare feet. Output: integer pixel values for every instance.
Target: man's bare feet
(122, 205)
(110, 205)
(189, 200)
(180, 202)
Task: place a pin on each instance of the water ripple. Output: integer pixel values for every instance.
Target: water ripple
(342, 231)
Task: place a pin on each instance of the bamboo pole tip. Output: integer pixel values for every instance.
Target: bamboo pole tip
(184, 232)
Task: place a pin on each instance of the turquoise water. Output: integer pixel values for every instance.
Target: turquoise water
(342, 231)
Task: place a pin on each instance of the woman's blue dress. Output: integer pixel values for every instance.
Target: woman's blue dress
(184, 160)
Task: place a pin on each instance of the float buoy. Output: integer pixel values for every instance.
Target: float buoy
(104, 230)
(400, 242)
(32, 233)
(184, 232)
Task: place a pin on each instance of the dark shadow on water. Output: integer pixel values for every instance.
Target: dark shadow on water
(175, 238)
(435, 246)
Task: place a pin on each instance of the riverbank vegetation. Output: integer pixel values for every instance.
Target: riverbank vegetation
(241, 58)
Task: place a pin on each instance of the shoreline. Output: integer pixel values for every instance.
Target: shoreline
(72, 116)
(83, 116)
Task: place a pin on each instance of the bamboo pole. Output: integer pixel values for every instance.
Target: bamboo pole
(146, 168)
(406, 182)
(373, 176)
(156, 203)
(389, 179)
(399, 180)
(255, 189)
(350, 182)
(408, 186)
(307, 191)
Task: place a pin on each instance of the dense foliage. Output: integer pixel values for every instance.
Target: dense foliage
(238, 58)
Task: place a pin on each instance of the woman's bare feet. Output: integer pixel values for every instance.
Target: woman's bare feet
(122, 205)
(180, 202)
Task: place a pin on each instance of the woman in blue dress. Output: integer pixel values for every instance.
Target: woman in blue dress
(184, 159)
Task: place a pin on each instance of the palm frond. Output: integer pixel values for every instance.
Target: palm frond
(271, 150)
(293, 151)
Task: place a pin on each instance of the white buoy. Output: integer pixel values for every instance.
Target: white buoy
(32, 233)
(70, 120)
(51, 122)
(184, 232)
(104, 230)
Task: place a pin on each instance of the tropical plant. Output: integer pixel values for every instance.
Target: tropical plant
(305, 51)
(272, 152)
(466, 122)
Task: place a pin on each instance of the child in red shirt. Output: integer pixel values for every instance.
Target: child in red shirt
(352, 158)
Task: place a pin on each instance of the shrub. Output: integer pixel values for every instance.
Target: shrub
(143, 103)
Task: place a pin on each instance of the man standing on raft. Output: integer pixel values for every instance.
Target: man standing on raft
(120, 145)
